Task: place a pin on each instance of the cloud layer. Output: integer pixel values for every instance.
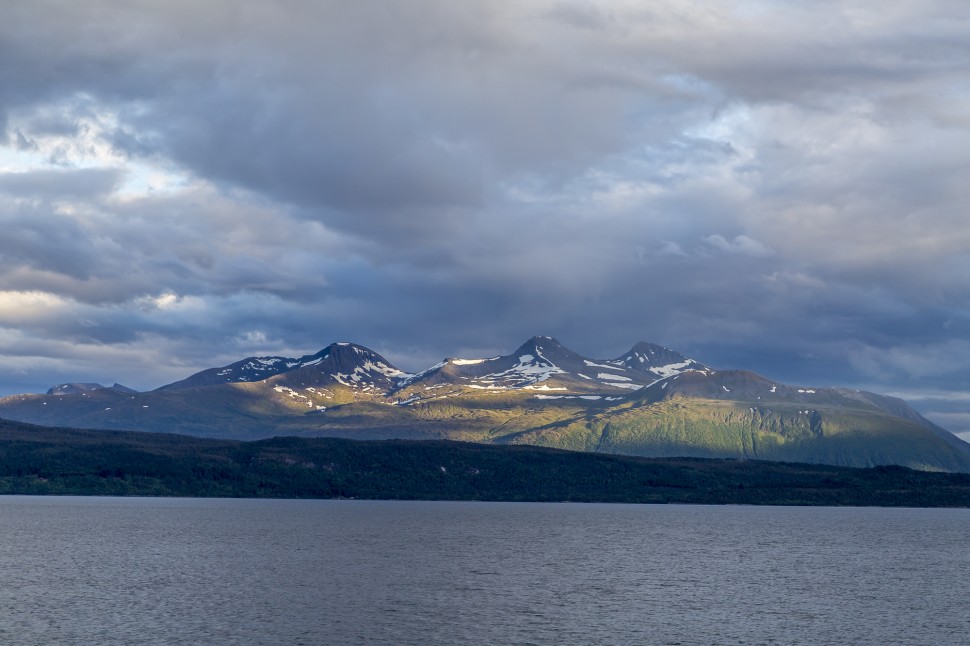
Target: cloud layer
(778, 187)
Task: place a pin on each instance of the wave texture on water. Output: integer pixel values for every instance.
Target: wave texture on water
(190, 571)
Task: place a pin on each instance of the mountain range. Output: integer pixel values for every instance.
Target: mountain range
(649, 401)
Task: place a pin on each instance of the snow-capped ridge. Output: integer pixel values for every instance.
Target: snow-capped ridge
(540, 363)
(544, 363)
(342, 358)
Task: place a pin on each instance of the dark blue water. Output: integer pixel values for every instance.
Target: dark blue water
(189, 571)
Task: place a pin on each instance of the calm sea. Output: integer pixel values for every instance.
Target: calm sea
(190, 571)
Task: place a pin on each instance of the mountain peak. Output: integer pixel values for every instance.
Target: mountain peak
(343, 363)
(346, 355)
(539, 341)
(542, 346)
(658, 360)
(644, 347)
(348, 349)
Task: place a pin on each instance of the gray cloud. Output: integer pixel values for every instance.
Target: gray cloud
(777, 187)
(54, 185)
(741, 244)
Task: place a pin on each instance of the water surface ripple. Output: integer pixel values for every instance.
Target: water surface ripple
(192, 571)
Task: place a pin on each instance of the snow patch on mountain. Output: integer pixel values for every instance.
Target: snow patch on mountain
(627, 386)
(612, 377)
(593, 364)
(527, 372)
(671, 369)
(314, 362)
(388, 371)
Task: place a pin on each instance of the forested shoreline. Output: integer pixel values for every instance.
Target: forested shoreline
(50, 461)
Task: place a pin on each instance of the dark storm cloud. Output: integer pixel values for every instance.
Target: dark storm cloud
(773, 186)
(368, 109)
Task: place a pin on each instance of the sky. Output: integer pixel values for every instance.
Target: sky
(774, 186)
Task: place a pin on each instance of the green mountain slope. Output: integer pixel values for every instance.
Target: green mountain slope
(710, 428)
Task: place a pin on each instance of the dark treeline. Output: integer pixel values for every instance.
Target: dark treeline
(38, 460)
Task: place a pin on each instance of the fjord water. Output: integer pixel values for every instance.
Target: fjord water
(194, 571)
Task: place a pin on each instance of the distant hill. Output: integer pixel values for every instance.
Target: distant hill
(649, 401)
(76, 388)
